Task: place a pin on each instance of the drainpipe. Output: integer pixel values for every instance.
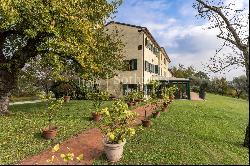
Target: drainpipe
(143, 65)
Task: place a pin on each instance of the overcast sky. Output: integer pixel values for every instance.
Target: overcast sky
(175, 27)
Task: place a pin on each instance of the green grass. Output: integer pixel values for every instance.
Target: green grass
(17, 99)
(192, 132)
(20, 133)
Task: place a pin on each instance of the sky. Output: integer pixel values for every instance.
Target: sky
(175, 27)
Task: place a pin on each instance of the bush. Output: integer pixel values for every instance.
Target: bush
(62, 88)
(71, 88)
(195, 89)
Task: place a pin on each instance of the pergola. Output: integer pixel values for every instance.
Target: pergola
(183, 85)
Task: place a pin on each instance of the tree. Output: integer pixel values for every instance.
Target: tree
(69, 30)
(233, 29)
(239, 84)
(183, 72)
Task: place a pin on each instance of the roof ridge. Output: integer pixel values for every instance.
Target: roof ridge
(146, 30)
(121, 23)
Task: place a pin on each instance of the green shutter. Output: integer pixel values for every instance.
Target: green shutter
(156, 69)
(133, 64)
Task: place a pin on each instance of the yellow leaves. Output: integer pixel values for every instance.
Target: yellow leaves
(105, 111)
(66, 157)
(55, 148)
(111, 136)
(80, 157)
(131, 131)
(51, 160)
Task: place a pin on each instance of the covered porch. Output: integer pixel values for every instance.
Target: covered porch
(182, 84)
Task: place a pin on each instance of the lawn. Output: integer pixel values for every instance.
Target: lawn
(20, 133)
(192, 132)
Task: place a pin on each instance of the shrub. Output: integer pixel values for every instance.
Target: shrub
(98, 98)
(116, 123)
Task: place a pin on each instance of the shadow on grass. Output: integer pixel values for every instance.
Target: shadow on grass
(103, 159)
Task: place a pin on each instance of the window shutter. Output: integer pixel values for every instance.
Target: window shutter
(133, 64)
(156, 69)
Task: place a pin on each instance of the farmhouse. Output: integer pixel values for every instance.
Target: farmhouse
(146, 60)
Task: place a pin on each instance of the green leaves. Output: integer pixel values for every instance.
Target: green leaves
(62, 30)
(116, 122)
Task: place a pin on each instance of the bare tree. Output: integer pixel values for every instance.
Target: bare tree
(232, 25)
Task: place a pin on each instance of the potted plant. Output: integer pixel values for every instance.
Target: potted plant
(133, 96)
(156, 113)
(53, 106)
(146, 121)
(172, 90)
(116, 129)
(98, 98)
(96, 116)
(129, 97)
(66, 87)
(165, 97)
(139, 96)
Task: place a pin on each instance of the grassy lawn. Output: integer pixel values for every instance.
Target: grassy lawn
(17, 99)
(192, 132)
(20, 133)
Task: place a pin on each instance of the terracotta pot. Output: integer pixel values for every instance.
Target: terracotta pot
(49, 133)
(164, 108)
(165, 104)
(113, 151)
(171, 98)
(130, 104)
(141, 100)
(146, 123)
(137, 100)
(156, 114)
(66, 99)
(96, 117)
(135, 103)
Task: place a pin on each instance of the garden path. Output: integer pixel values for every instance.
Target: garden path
(89, 143)
(195, 96)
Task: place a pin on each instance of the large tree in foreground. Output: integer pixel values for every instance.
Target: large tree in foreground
(232, 25)
(67, 29)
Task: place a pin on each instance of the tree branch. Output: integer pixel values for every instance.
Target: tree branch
(230, 28)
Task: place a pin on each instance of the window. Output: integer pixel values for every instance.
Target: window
(156, 69)
(130, 64)
(128, 88)
(133, 64)
(140, 47)
(165, 61)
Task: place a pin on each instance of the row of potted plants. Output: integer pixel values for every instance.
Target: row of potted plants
(134, 97)
(167, 98)
(116, 120)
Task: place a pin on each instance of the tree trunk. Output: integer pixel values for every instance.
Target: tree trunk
(246, 141)
(246, 55)
(7, 83)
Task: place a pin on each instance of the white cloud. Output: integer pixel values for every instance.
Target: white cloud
(186, 41)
